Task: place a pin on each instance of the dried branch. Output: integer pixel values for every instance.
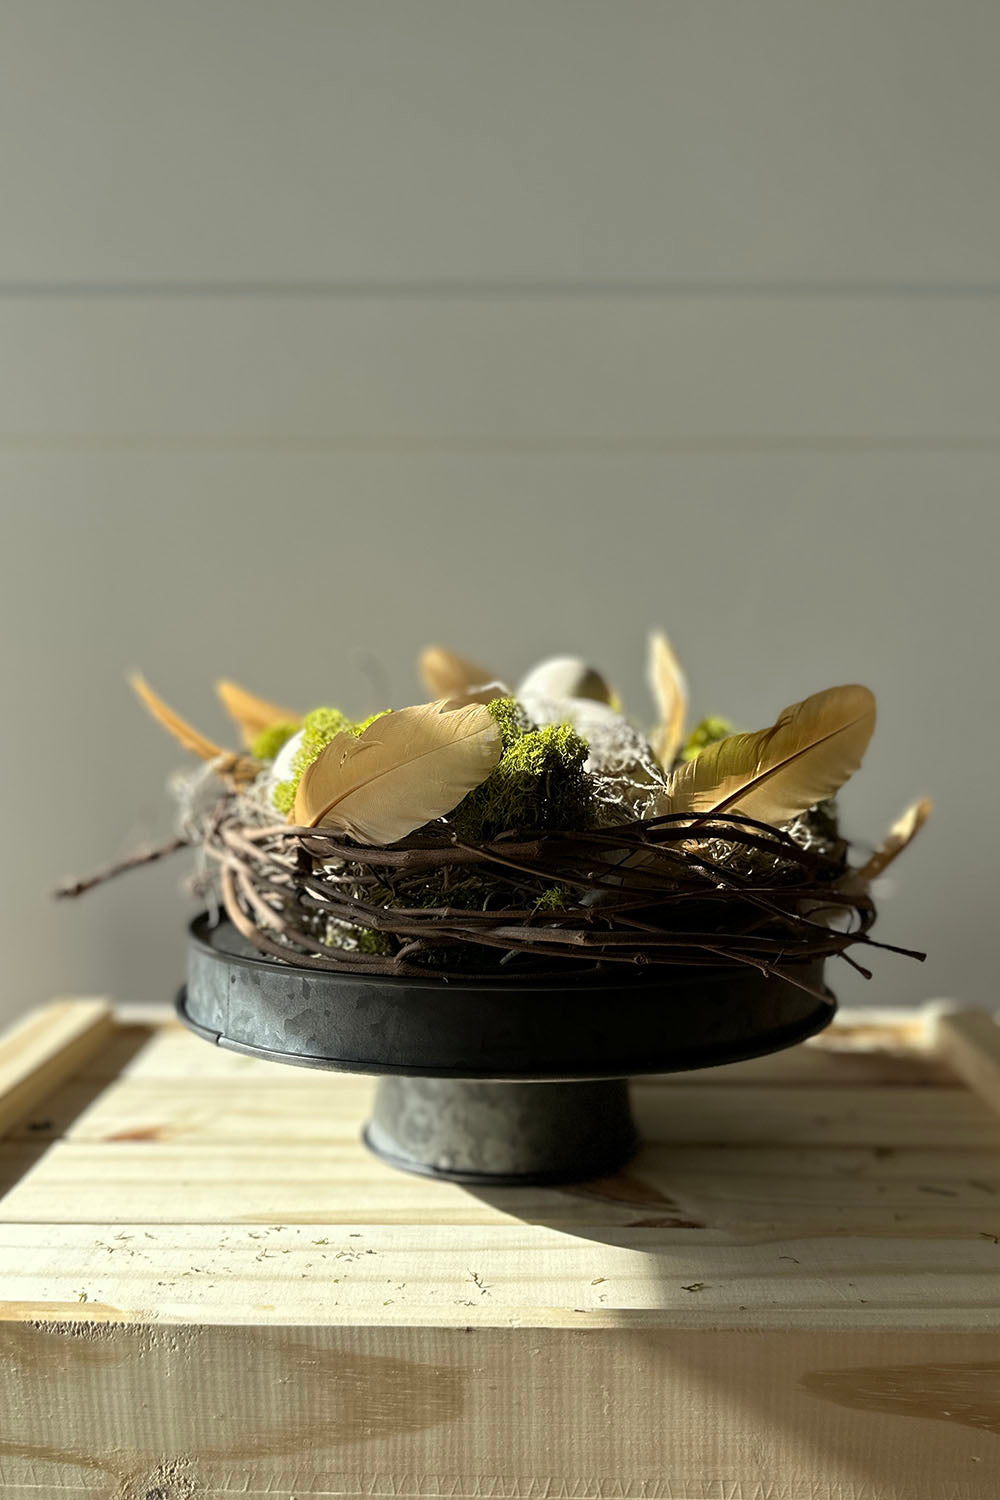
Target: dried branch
(131, 862)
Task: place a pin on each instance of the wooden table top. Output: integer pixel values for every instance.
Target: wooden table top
(850, 1182)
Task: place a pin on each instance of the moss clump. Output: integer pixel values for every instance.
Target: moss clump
(283, 796)
(370, 940)
(705, 733)
(270, 740)
(511, 720)
(358, 939)
(318, 728)
(538, 784)
(553, 898)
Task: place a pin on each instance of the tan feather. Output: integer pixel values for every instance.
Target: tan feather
(902, 832)
(408, 768)
(778, 773)
(183, 732)
(250, 714)
(453, 677)
(241, 768)
(669, 686)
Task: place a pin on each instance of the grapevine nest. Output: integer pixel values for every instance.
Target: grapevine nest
(719, 890)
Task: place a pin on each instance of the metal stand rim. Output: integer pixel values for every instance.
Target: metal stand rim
(775, 1040)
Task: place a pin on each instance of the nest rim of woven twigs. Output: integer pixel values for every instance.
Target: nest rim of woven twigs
(624, 934)
(554, 983)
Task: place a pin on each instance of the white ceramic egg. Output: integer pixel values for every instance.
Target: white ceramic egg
(281, 768)
(564, 677)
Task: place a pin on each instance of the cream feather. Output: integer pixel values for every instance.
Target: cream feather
(778, 773)
(408, 768)
(448, 675)
(669, 686)
(900, 834)
(250, 714)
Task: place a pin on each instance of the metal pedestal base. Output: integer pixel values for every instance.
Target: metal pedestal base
(495, 1081)
(496, 1133)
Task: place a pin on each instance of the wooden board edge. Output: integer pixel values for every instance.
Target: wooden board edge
(46, 1047)
(483, 1413)
(969, 1042)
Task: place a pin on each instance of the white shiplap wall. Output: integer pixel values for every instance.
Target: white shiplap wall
(331, 327)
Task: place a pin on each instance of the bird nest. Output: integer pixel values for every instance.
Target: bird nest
(489, 835)
(719, 891)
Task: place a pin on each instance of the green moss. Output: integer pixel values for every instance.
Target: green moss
(539, 782)
(360, 939)
(705, 733)
(370, 940)
(318, 728)
(511, 720)
(553, 898)
(270, 740)
(283, 796)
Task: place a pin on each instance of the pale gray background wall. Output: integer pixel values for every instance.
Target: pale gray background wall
(330, 328)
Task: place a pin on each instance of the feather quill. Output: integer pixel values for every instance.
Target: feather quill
(902, 832)
(669, 687)
(778, 773)
(250, 714)
(407, 769)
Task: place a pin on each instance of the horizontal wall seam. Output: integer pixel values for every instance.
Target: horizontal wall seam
(638, 444)
(450, 290)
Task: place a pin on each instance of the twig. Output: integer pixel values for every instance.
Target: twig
(130, 862)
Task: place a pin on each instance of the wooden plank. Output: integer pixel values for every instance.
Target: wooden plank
(969, 1041)
(235, 1139)
(332, 1108)
(816, 1115)
(171, 1054)
(880, 1029)
(449, 1274)
(653, 375)
(357, 142)
(329, 1184)
(892, 1054)
(134, 1411)
(44, 1049)
(328, 1110)
(824, 1067)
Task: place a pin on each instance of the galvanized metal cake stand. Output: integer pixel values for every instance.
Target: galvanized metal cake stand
(499, 1081)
